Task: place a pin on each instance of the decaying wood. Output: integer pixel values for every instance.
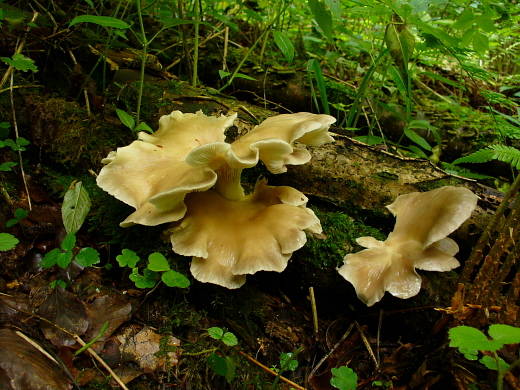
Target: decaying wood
(354, 175)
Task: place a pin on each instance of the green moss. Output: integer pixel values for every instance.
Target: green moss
(340, 232)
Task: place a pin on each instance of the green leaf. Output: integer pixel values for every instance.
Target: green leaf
(128, 258)
(173, 278)
(314, 66)
(480, 156)
(284, 44)
(90, 3)
(469, 341)
(87, 257)
(142, 281)
(491, 363)
(157, 262)
(216, 332)
(69, 242)
(412, 135)
(288, 362)
(64, 259)
(58, 283)
(50, 258)
(7, 242)
(143, 127)
(322, 16)
(398, 80)
(369, 139)
(344, 378)
(19, 214)
(218, 364)
(75, 207)
(505, 334)
(229, 339)
(7, 166)
(480, 43)
(125, 118)
(231, 369)
(104, 21)
(507, 154)
(20, 62)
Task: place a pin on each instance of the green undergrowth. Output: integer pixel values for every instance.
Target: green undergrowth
(340, 231)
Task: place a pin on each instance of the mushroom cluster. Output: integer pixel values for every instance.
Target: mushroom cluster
(187, 174)
(419, 240)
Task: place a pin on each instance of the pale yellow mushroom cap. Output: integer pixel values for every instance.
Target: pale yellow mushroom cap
(230, 239)
(423, 220)
(273, 140)
(151, 175)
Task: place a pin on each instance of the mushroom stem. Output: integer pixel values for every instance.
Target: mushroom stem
(228, 183)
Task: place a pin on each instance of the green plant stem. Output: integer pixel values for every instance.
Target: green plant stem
(205, 351)
(250, 50)
(196, 45)
(144, 43)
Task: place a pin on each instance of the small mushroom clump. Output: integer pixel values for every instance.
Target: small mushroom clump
(419, 240)
(187, 174)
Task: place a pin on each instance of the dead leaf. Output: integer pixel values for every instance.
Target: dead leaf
(68, 312)
(23, 366)
(112, 308)
(141, 346)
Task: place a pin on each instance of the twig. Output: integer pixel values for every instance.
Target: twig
(324, 358)
(18, 50)
(15, 123)
(85, 92)
(268, 370)
(379, 326)
(314, 312)
(75, 337)
(367, 344)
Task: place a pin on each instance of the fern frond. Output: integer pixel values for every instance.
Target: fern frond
(480, 156)
(507, 130)
(507, 154)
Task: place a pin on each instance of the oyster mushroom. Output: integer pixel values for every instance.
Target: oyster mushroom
(419, 240)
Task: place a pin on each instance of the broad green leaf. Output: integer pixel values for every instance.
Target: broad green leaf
(7, 242)
(398, 80)
(20, 62)
(75, 207)
(229, 339)
(491, 363)
(470, 340)
(412, 135)
(7, 166)
(284, 44)
(87, 257)
(231, 369)
(344, 378)
(64, 259)
(69, 242)
(105, 21)
(216, 332)
(506, 334)
(480, 43)
(50, 258)
(218, 364)
(128, 258)
(141, 281)
(322, 16)
(244, 76)
(143, 127)
(173, 278)
(157, 262)
(125, 118)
